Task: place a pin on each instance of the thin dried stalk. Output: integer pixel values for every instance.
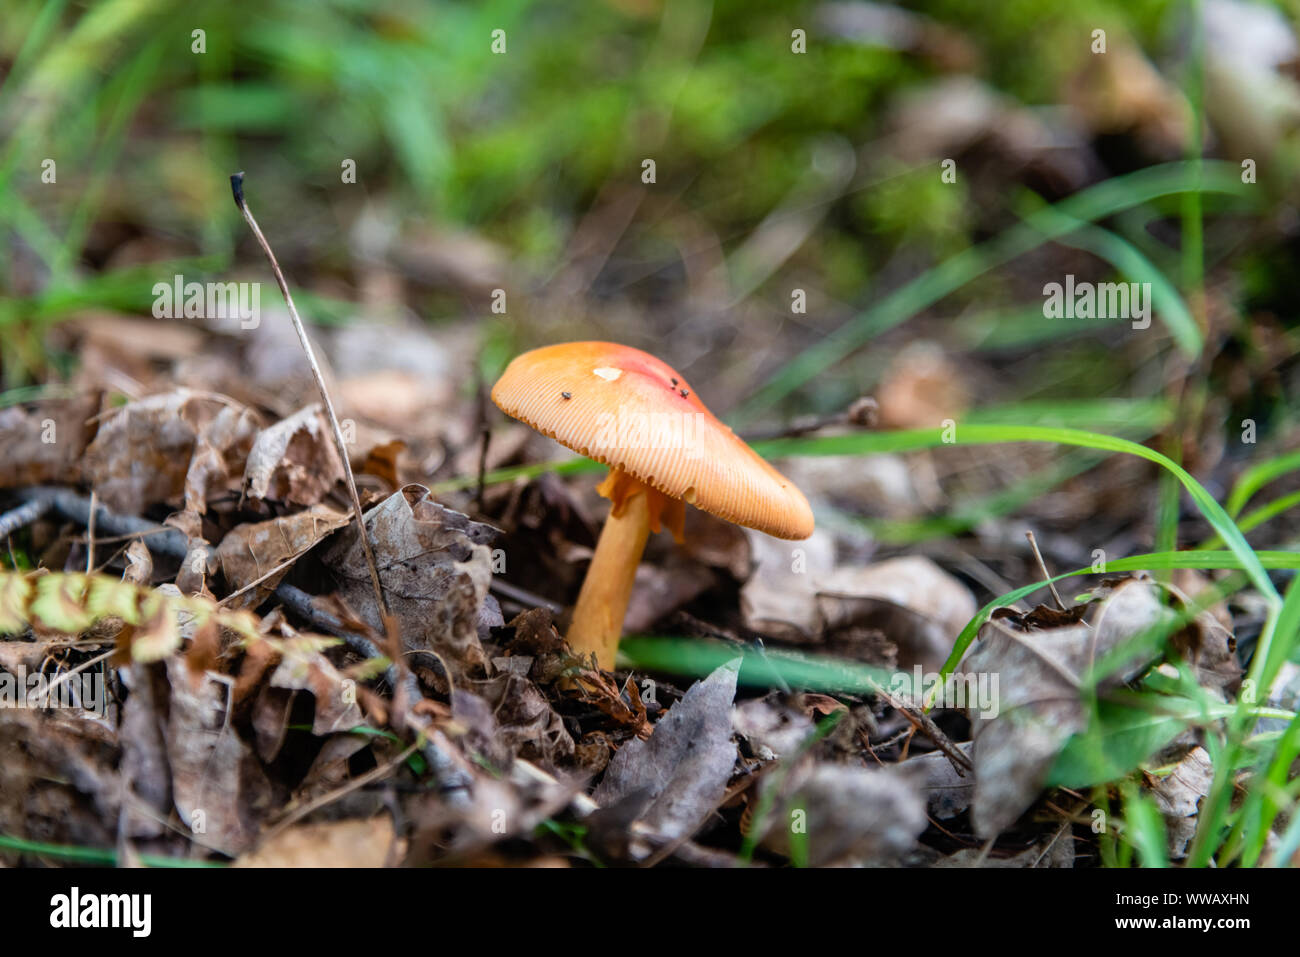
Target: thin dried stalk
(237, 187)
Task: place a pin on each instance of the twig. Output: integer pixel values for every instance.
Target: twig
(1042, 566)
(923, 722)
(523, 596)
(26, 513)
(861, 414)
(90, 536)
(77, 508)
(298, 813)
(237, 188)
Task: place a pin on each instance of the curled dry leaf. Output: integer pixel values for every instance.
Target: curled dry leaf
(294, 461)
(1178, 796)
(435, 567)
(252, 550)
(176, 448)
(1038, 706)
(139, 564)
(219, 787)
(303, 668)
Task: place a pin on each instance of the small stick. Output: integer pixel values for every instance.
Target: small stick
(22, 516)
(485, 437)
(90, 536)
(237, 188)
(1042, 565)
(923, 722)
(860, 414)
(524, 597)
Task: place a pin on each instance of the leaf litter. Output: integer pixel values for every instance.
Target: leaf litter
(262, 708)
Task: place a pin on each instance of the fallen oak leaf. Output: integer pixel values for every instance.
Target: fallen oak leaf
(434, 567)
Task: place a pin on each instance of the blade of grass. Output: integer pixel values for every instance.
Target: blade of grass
(1256, 477)
(1126, 258)
(93, 855)
(1258, 517)
(1216, 808)
(1094, 203)
(772, 667)
(992, 434)
(1144, 827)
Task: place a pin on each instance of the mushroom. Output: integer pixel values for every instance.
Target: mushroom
(630, 411)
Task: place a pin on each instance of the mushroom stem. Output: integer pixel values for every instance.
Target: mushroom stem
(602, 602)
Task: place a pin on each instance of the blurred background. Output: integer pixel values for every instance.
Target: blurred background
(804, 241)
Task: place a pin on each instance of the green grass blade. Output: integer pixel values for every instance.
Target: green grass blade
(1256, 477)
(1094, 203)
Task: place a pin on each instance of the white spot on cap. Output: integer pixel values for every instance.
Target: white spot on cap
(608, 374)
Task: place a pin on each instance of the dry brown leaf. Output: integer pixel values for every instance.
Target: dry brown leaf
(252, 550)
(218, 785)
(678, 776)
(176, 448)
(1178, 796)
(294, 461)
(524, 720)
(1038, 703)
(303, 668)
(44, 442)
(326, 844)
(846, 814)
(435, 567)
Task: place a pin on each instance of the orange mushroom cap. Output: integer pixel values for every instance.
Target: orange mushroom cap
(632, 412)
